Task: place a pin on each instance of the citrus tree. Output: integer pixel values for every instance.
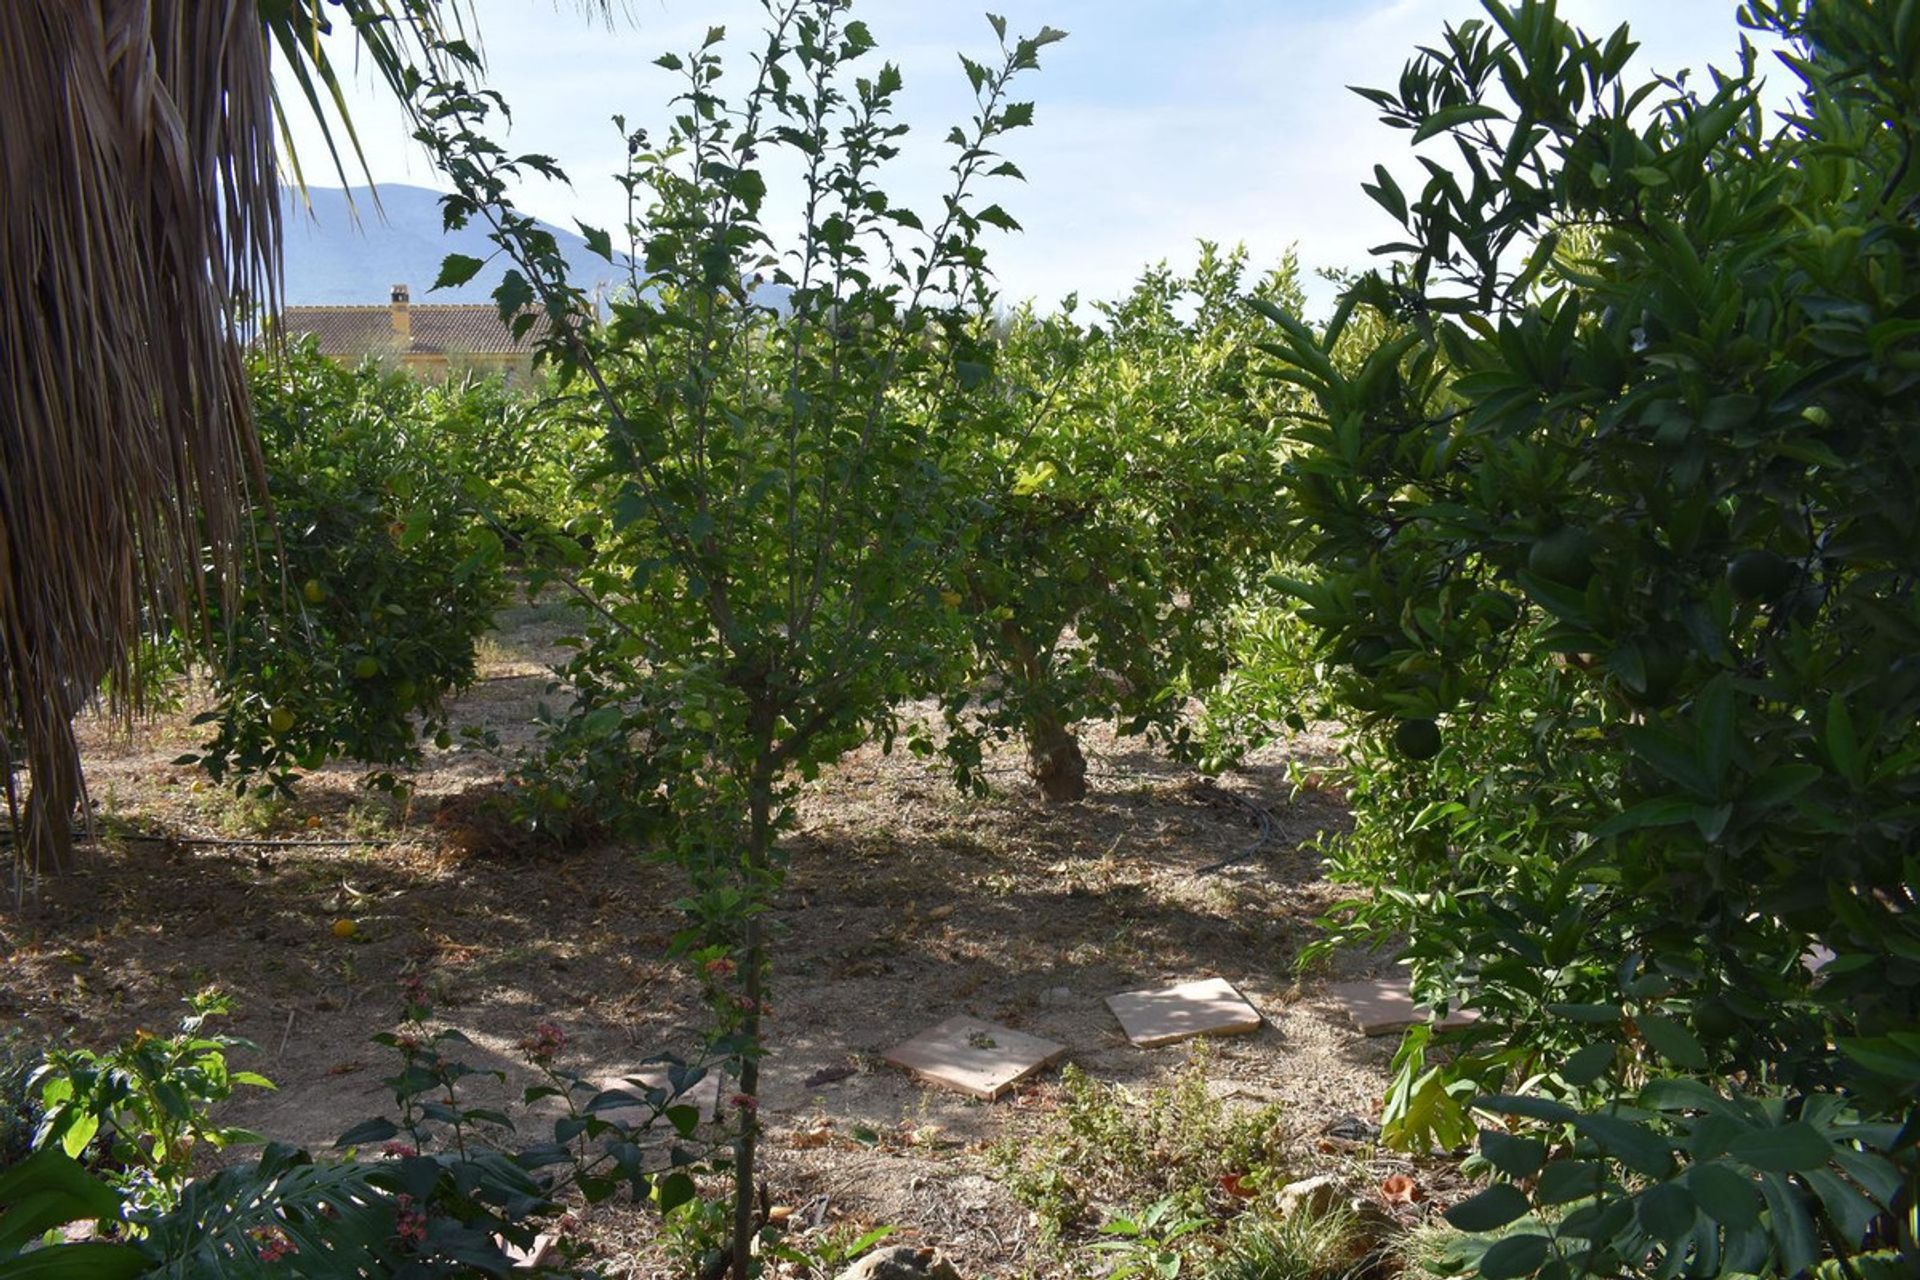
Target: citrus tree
(346, 643)
(777, 518)
(1121, 493)
(1612, 542)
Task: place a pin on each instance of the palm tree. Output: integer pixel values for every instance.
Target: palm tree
(139, 232)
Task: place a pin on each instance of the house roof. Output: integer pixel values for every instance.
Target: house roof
(439, 329)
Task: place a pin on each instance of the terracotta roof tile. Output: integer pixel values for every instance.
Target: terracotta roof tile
(460, 329)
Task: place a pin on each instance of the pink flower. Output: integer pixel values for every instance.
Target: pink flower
(399, 1150)
(745, 1102)
(274, 1244)
(546, 1041)
(409, 1223)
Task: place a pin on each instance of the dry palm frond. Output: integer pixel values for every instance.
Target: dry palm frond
(139, 237)
(141, 205)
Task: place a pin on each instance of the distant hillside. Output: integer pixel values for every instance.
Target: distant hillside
(331, 259)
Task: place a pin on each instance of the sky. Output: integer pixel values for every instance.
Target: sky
(1158, 123)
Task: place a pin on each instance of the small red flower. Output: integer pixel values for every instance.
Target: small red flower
(720, 967)
(745, 1102)
(273, 1243)
(399, 1150)
(544, 1043)
(409, 1223)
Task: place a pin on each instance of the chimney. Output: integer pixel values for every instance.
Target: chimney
(402, 323)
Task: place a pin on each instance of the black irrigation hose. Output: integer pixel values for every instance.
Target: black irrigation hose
(7, 837)
(1260, 841)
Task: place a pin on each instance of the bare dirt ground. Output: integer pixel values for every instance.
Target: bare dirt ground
(906, 903)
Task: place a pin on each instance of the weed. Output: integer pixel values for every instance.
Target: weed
(19, 1110)
(1108, 1145)
(1298, 1246)
(828, 1252)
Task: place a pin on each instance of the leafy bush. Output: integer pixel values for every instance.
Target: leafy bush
(448, 1189)
(1119, 486)
(377, 574)
(139, 1112)
(1611, 530)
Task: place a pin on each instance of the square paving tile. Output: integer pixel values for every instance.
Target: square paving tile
(980, 1058)
(1385, 1005)
(1208, 1007)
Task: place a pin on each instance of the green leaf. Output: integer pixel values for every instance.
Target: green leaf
(1513, 1257)
(673, 1191)
(1565, 1181)
(378, 1129)
(456, 269)
(1724, 1194)
(1789, 1225)
(1634, 1145)
(1672, 1041)
(598, 241)
(1498, 1205)
(46, 1190)
(1387, 193)
(1842, 745)
(1793, 1147)
(1666, 1211)
(84, 1260)
(1455, 116)
(1589, 1064)
(1513, 1156)
(994, 215)
(1533, 1108)
(1662, 811)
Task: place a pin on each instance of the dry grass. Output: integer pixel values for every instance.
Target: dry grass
(906, 903)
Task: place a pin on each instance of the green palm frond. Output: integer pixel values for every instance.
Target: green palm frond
(237, 1223)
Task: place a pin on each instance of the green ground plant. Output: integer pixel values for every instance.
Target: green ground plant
(1107, 1148)
(139, 1113)
(441, 1189)
(1612, 532)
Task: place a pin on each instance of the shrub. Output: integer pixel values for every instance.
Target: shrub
(1119, 483)
(140, 1112)
(1618, 504)
(358, 616)
(776, 510)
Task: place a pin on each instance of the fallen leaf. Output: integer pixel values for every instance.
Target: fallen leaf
(1398, 1188)
(1237, 1186)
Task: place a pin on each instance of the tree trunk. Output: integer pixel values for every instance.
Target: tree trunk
(1053, 753)
(1055, 760)
(45, 841)
(759, 841)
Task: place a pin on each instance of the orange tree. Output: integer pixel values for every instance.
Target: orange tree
(1120, 492)
(1613, 534)
(346, 643)
(777, 515)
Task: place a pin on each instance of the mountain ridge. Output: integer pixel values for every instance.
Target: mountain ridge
(332, 258)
